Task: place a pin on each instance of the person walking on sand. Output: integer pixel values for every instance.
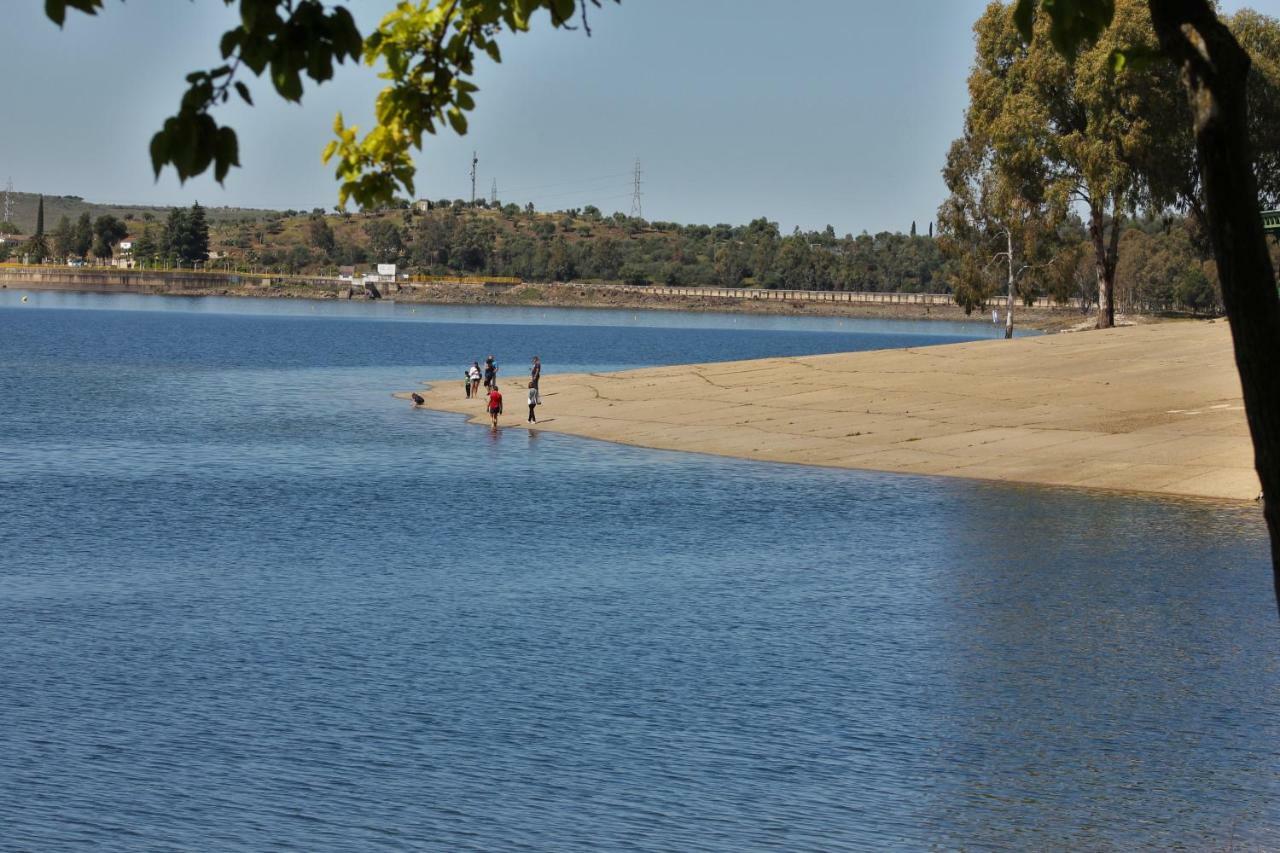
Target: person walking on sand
(533, 403)
(495, 404)
(535, 376)
(475, 379)
(466, 382)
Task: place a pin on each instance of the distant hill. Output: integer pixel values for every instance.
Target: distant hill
(70, 206)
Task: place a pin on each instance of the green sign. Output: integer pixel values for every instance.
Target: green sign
(1271, 221)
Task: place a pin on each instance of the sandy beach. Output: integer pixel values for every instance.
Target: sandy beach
(1152, 408)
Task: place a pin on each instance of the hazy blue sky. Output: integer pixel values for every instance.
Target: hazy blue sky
(809, 113)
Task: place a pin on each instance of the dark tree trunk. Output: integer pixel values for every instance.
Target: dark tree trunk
(1215, 69)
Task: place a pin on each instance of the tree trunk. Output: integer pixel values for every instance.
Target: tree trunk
(1008, 304)
(1215, 69)
(1105, 272)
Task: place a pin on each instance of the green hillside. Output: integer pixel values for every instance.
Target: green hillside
(56, 206)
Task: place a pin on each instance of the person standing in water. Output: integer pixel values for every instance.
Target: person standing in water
(535, 376)
(495, 404)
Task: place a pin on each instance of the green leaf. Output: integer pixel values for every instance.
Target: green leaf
(226, 153)
(243, 91)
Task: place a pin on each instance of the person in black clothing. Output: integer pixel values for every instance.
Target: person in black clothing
(490, 373)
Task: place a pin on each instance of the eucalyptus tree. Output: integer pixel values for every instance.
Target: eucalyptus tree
(1215, 71)
(1005, 198)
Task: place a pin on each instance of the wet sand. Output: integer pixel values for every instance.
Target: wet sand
(1152, 408)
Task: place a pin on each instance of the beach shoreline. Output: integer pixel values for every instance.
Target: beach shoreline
(1151, 409)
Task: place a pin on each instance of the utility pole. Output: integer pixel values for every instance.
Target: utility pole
(493, 192)
(474, 161)
(8, 201)
(636, 211)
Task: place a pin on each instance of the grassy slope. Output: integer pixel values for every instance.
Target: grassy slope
(55, 207)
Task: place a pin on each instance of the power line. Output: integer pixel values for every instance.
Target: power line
(570, 183)
(8, 201)
(636, 211)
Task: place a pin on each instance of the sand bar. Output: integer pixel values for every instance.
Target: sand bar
(1152, 408)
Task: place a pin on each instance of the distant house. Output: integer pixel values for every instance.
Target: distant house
(12, 239)
(347, 273)
(125, 246)
(422, 205)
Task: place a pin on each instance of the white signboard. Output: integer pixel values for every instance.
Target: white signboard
(387, 269)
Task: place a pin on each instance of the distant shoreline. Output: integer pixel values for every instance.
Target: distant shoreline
(567, 296)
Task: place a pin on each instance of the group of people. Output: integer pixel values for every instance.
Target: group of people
(473, 376)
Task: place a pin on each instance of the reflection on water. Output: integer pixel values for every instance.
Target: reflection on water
(248, 600)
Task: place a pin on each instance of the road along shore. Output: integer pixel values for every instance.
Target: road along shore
(1153, 408)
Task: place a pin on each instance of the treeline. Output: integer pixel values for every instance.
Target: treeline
(183, 239)
(1081, 178)
(584, 244)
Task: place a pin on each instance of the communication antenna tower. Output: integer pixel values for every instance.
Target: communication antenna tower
(8, 201)
(636, 210)
(474, 161)
(493, 192)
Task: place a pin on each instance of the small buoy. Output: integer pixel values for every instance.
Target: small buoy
(24, 299)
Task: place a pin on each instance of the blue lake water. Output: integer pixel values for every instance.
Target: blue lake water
(249, 601)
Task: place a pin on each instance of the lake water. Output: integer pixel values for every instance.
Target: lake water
(249, 601)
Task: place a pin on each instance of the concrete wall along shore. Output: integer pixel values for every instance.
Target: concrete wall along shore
(177, 281)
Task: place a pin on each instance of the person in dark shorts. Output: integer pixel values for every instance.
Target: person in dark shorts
(475, 379)
(495, 404)
(533, 404)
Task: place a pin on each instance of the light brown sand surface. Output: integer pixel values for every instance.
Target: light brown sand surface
(1143, 408)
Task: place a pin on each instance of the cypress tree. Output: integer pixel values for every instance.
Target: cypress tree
(913, 228)
(40, 218)
(198, 231)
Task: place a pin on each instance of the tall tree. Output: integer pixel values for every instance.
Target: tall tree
(197, 246)
(64, 238)
(37, 248)
(176, 240)
(1215, 76)
(1006, 197)
(107, 231)
(83, 239)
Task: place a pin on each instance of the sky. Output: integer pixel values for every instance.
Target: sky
(808, 113)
